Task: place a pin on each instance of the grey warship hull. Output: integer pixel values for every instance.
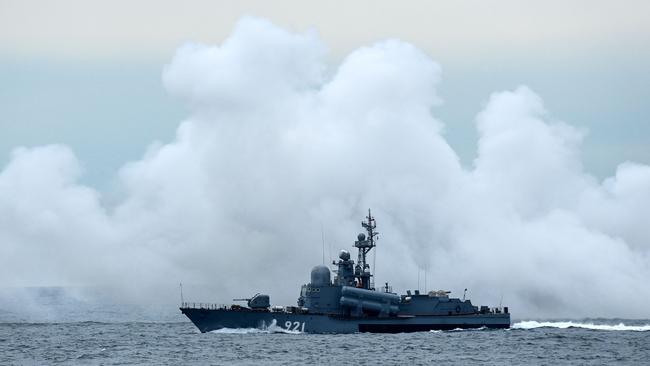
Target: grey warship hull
(207, 320)
(350, 303)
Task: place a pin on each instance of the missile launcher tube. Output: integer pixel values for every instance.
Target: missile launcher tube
(369, 300)
(364, 294)
(369, 305)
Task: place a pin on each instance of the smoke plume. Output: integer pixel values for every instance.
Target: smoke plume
(279, 143)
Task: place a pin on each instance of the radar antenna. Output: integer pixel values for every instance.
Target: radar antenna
(365, 244)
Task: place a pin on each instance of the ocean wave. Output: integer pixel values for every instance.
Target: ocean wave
(532, 324)
(271, 328)
(238, 331)
(468, 329)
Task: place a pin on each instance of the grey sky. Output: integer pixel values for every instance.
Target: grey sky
(80, 28)
(87, 73)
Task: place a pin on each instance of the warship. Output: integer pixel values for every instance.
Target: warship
(349, 303)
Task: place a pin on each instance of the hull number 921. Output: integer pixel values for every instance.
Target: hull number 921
(295, 326)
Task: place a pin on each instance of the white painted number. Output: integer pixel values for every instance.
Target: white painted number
(295, 326)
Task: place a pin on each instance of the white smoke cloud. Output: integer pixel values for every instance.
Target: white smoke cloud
(278, 144)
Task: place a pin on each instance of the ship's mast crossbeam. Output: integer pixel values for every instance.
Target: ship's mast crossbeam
(365, 244)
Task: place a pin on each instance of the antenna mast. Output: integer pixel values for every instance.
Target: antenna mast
(365, 244)
(182, 300)
(322, 238)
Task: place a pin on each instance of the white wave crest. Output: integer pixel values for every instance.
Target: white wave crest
(531, 324)
(275, 328)
(238, 331)
(459, 330)
(271, 328)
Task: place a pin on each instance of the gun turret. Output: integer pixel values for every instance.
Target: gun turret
(258, 301)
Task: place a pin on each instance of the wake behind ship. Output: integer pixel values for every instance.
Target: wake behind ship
(350, 304)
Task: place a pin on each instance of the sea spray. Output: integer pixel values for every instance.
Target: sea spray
(264, 329)
(532, 324)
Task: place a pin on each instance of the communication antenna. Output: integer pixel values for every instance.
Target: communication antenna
(365, 244)
(374, 266)
(329, 245)
(425, 278)
(418, 279)
(464, 293)
(181, 286)
(322, 238)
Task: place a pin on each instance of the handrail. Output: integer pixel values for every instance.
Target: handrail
(204, 305)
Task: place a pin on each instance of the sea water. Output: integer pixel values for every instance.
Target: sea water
(528, 342)
(71, 332)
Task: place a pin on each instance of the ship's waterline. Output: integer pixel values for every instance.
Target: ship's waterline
(350, 303)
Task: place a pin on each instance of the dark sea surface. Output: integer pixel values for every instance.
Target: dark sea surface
(50, 332)
(179, 343)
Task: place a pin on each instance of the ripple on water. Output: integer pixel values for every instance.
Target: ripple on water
(179, 343)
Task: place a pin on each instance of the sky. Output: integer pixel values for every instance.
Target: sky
(87, 73)
(165, 142)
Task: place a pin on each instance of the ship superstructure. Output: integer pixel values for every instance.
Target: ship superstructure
(350, 303)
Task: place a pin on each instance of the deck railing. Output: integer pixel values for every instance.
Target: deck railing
(204, 305)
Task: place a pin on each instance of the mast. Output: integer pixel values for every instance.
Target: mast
(365, 244)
